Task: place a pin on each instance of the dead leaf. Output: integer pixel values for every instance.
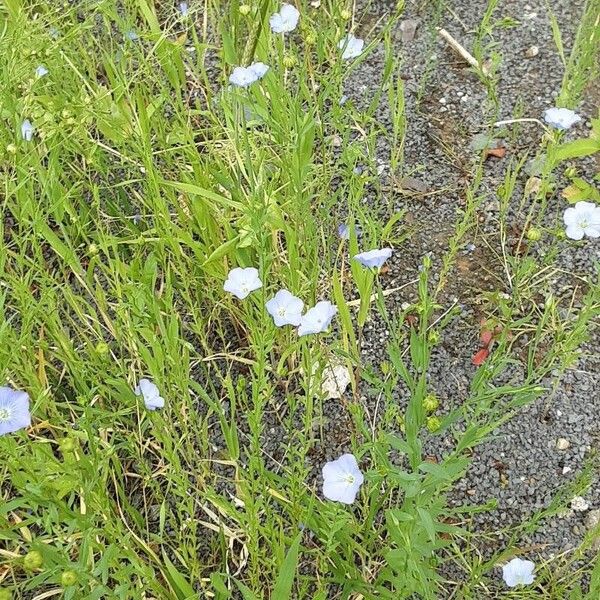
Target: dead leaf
(480, 356)
(499, 152)
(412, 184)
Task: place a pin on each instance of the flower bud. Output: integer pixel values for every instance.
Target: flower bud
(102, 348)
(346, 14)
(289, 61)
(534, 234)
(433, 424)
(11, 149)
(93, 250)
(430, 403)
(244, 9)
(68, 578)
(33, 560)
(67, 444)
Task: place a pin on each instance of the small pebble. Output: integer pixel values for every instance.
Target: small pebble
(532, 52)
(562, 444)
(579, 504)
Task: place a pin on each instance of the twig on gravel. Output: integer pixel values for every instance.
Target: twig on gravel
(524, 120)
(462, 51)
(385, 293)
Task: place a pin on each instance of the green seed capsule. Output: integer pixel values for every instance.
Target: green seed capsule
(433, 424)
(68, 578)
(33, 560)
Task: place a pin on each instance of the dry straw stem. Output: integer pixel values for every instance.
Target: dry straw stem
(462, 51)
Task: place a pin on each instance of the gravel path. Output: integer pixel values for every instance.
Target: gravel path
(521, 468)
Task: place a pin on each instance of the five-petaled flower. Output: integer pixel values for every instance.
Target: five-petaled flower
(27, 130)
(14, 410)
(351, 46)
(582, 219)
(150, 393)
(342, 479)
(317, 319)
(561, 118)
(285, 20)
(285, 308)
(240, 282)
(373, 258)
(518, 572)
(245, 76)
(41, 71)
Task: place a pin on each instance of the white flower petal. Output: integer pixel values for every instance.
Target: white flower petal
(373, 258)
(317, 319)
(351, 46)
(518, 572)
(342, 479)
(241, 282)
(285, 308)
(148, 390)
(561, 118)
(27, 130)
(285, 20)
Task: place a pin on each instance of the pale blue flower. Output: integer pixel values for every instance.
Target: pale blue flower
(132, 36)
(342, 479)
(150, 393)
(373, 258)
(518, 572)
(27, 130)
(582, 219)
(41, 71)
(561, 118)
(240, 282)
(285, 308)
(245, 76)
(351, 46)
(285, 20)
(317, 319)
(259, 69)
(14, 410)
(184, 9)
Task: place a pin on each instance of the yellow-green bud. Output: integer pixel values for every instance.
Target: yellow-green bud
(289, 61)
(346, 14)
(433, 424)
(67, 444)
(68, 578)
(11, 149)
(102, 348)
(310, 39)
(33, 560)
(433, 337)
(93, 250)
(245, 9)
(430, 403)
(534, 234)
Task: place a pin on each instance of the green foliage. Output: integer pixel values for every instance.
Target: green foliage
(147, 181)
